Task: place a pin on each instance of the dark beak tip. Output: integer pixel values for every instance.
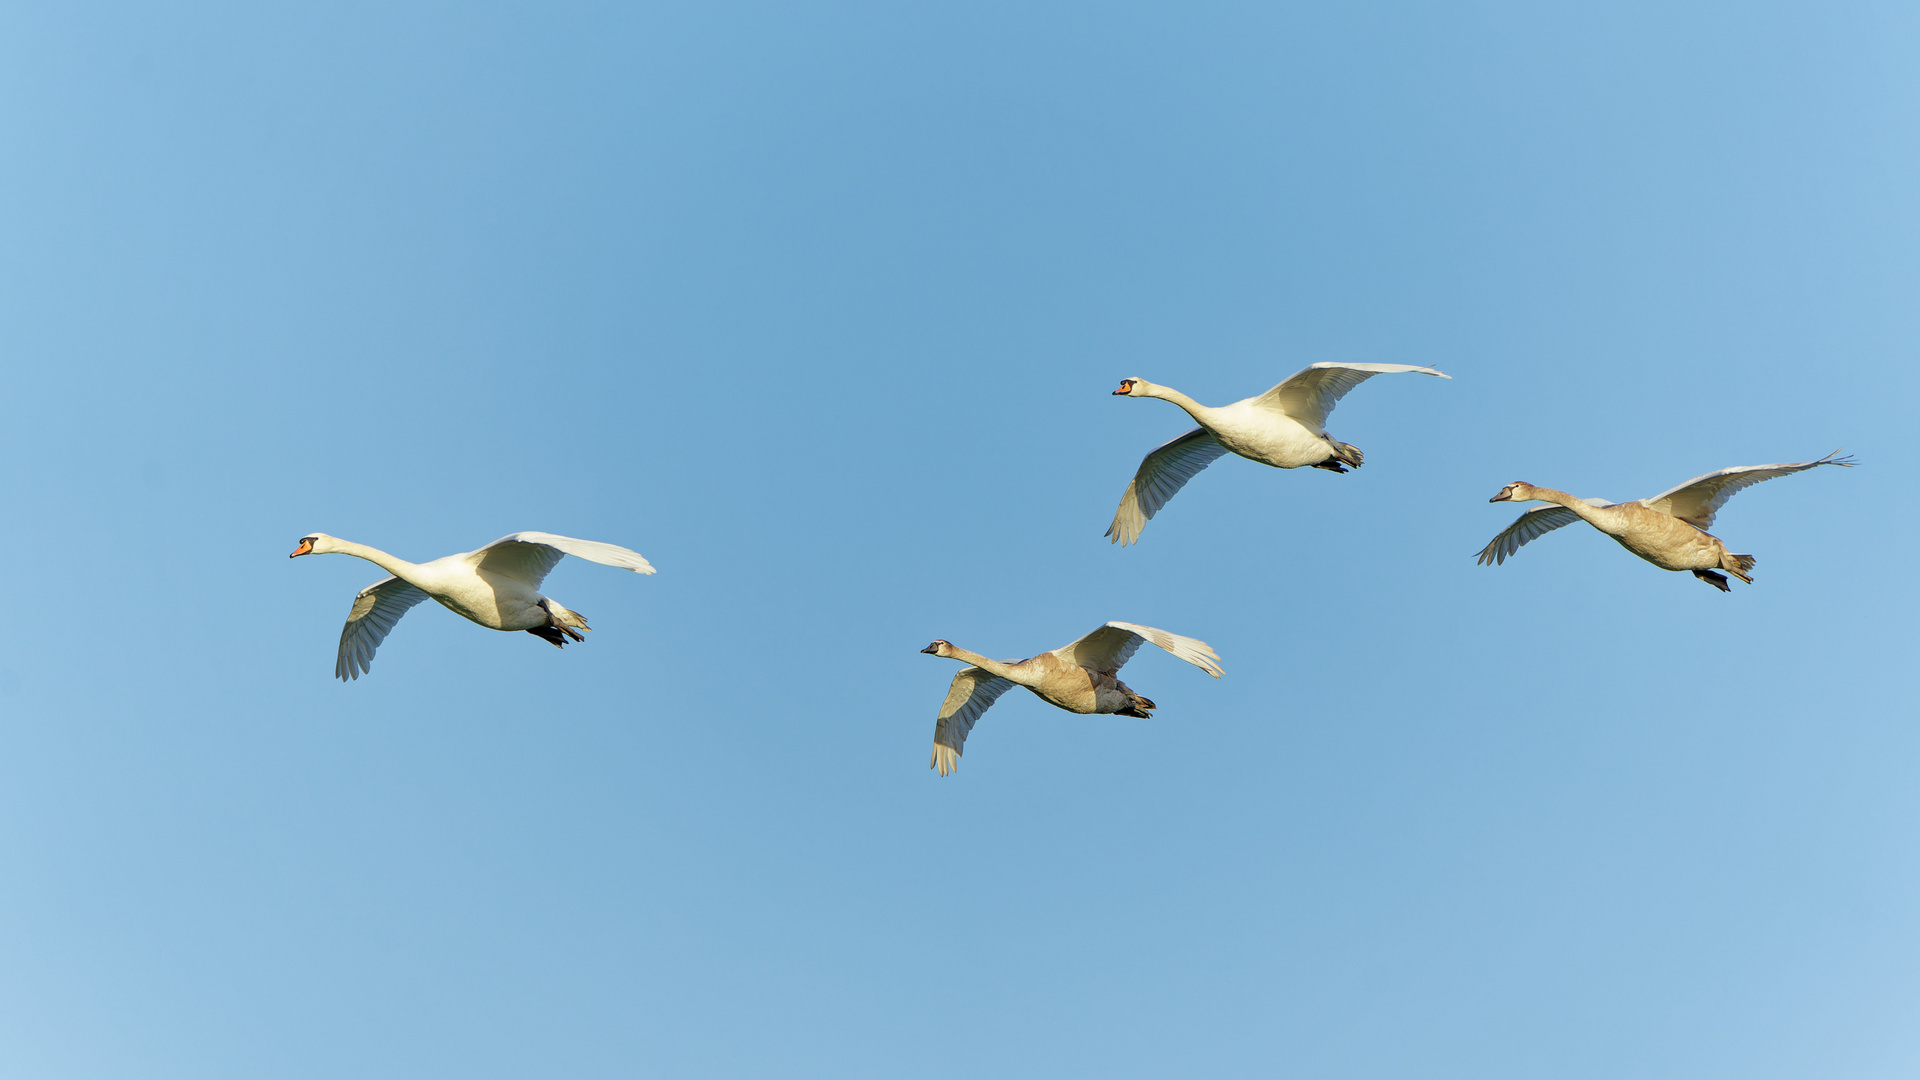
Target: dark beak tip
(929, 649)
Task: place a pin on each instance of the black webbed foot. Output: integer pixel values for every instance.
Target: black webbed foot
(1718, 581)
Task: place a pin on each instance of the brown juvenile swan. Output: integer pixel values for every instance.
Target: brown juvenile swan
(1078, 678)
(1668, 530)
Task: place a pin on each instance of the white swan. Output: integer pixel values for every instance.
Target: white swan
(1668, 530)
(1079, 678)
(497, 586)
(1284, 427)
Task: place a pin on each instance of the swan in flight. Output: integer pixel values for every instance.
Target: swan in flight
(497, 586)
(1079, 678)
(1668, 530)
(1286, 427)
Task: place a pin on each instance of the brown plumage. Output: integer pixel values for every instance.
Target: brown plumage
(1668, 530)
(1080, 678)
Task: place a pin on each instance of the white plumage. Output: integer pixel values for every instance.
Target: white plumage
(1284, 427)
(497, 586)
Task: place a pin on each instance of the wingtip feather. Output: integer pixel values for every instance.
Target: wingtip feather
(945, 760)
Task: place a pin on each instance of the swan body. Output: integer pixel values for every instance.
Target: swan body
(1284, 427)
(497, 586)
(1081, 677)
(1668, 530)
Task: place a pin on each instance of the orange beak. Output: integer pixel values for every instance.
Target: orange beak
(1122, 390)
(305, 548)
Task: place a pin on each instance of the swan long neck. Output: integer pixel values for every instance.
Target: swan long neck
(1168, 393)
(991, 667)
(399, 568)
(1578, 506)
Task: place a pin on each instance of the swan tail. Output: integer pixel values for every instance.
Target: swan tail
(560, 621)
(1345, 455)
(1738, 565)
(1718, 581)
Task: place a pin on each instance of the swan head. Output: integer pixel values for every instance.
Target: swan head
(939, 648)
(1133, 388)
(313, 544)
(1518, 491)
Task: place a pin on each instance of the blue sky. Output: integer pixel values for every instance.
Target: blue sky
(818, 306)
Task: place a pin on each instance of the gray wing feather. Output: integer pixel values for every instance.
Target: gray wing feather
(374, 612)
(1527, 527)
(973, 690)
(1162, 474)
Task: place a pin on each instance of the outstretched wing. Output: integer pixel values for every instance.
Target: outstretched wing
(1310, 394)
(1699, 499)
(529, 556)
(1530, 526)
(972, 691)
(1164, 472)
(1112, 645)
(375, 610)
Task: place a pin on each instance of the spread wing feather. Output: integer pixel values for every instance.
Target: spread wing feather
(1699, 499)
(530, 556)
(972, 691)
(1163, 473)
(1310, 394)
(1527, 527)
(375, 610)
(1112, 645)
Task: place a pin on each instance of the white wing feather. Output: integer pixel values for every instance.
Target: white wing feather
(1163, 473)
(375, 610)
(973, 690)
(1527, 527)
(1699, 499)
(1310, 394)
(530, 556)
(1112, 645)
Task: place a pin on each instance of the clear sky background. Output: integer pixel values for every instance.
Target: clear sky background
(819, 306)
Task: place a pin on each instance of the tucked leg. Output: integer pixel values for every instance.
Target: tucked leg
(1718, 581)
